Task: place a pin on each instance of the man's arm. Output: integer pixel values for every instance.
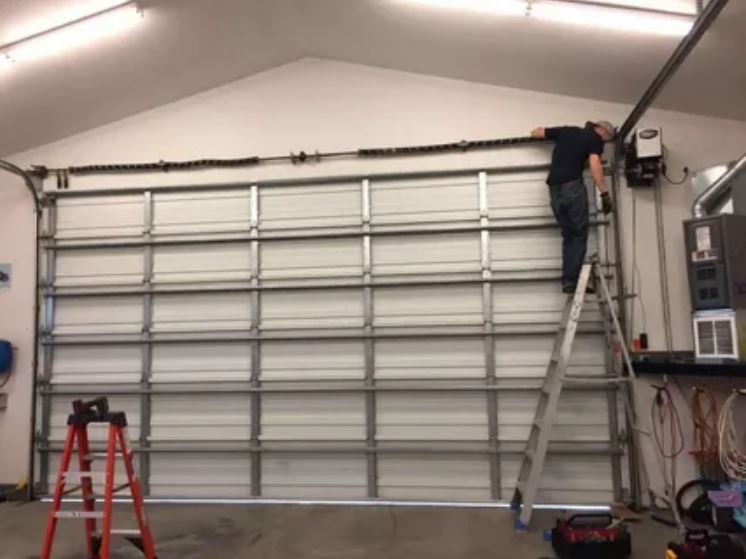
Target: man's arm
(539, 133)
(597, 171)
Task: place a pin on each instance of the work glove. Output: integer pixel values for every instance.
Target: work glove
(607, 206)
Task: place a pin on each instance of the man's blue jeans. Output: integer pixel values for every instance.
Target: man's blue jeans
(570, 206)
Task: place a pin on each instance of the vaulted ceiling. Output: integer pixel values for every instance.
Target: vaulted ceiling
(185, 46)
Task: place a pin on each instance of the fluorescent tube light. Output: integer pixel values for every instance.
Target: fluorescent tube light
(498, 7)
(72, 34)
(576, 12)
(613, 18)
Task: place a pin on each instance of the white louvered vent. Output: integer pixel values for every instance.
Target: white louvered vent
(724, 343)
(706, 337)
(715, 336)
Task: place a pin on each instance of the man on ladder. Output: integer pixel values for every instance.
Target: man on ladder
(569, 197)
(570, 206)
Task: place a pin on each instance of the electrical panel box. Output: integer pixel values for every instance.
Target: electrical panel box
(716, 261)
(649, 143)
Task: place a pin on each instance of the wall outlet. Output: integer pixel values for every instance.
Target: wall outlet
(3, 400)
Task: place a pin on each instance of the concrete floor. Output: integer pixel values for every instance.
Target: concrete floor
(290, 532)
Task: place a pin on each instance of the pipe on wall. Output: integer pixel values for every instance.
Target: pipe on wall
(704, 203)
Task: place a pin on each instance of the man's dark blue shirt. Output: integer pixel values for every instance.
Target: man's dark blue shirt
(573, 146)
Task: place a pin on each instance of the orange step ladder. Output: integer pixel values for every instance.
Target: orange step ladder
(98, 543)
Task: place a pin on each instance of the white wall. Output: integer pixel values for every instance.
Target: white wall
(328, 106)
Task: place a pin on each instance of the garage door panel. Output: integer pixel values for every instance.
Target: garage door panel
(313, 416)
(434, 478)
(518, 196)
(100, 364)
(533, 249)
(209, 262)
(218, 417)
(432, 200)
(312, 309)
(528, 356)
(100, 216)
(426, 254)
(426, 306)
(200, 475)
(534, 302)
(311, 259)
(311, 206)
(291, 475)
(582, 416)
(96, 315)
(215, 362)
(201, 212)
(430, 359)
(299, 360)
(206, 313)
(566, 479)
(79, 267)
(431, 416)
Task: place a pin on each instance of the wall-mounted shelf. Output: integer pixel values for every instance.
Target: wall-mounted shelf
(683, 363)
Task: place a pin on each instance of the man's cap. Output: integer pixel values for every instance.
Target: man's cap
(606, 125)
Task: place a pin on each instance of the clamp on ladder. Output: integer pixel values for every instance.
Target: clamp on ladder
(532, 465)
(98, 543)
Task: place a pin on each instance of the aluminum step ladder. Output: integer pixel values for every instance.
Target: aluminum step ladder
(534, 456)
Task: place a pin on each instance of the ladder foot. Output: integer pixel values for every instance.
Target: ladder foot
(520, 526)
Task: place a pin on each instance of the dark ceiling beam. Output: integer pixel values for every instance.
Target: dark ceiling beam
(700, 27)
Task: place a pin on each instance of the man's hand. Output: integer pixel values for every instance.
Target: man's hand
(538, 133)
(607, 206)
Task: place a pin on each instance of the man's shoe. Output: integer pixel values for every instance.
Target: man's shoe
(590, 290)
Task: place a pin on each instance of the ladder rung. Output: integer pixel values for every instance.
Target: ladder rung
(120, 532)
(99, 455)
(79, 514)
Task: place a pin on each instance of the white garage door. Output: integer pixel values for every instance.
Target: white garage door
(380, 337)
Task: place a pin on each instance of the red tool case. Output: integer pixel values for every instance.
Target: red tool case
(591, 536)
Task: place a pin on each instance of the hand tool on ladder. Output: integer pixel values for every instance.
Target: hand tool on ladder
(532, 465)
(98, 543)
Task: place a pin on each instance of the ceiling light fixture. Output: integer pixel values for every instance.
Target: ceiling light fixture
(498, 7)
(578, 12)
(612, 17)
(73, 33)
